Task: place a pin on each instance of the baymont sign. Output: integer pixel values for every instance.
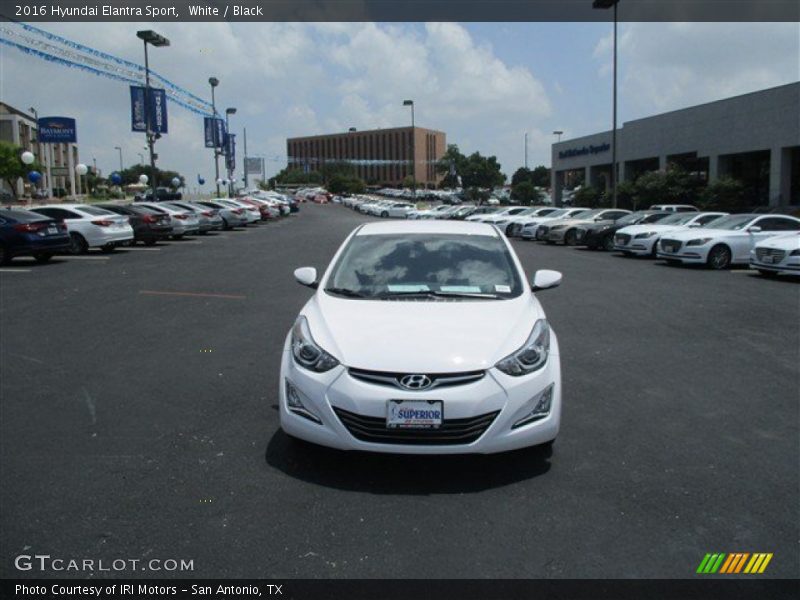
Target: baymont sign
(591, 149)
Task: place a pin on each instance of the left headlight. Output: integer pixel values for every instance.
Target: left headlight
(648, 234)
(532, 355)
(698, 242)
(306, 351)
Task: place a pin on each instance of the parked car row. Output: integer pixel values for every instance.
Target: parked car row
(677, 233)
(44, 231)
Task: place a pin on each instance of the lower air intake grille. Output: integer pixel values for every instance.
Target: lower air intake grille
(451, 432)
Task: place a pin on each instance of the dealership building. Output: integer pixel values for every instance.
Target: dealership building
(754, 138)
(380, 156)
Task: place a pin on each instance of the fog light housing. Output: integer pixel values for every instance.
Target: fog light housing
(295, 403)
(541, 408)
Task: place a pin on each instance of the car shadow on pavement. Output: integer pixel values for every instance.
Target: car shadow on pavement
(403, 474)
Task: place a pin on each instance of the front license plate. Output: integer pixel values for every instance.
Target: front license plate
(414, 414)
(768, 259)
(52, 230)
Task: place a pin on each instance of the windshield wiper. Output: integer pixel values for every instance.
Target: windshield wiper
(348, 293)
(438, 294)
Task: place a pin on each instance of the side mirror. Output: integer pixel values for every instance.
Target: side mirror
(306, 276)
(544, 279)
(695, 225)
(754, 229)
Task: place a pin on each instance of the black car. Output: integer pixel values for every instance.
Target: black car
(601, 235)
(28, 233)
(163, 194)
(148, 225)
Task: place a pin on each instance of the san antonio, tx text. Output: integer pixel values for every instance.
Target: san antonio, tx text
(128, 589)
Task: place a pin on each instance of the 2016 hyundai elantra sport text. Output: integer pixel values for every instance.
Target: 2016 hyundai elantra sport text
(422, 337)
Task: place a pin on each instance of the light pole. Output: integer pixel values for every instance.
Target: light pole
(606, 4)
(228, 112)
(526, 149)
(150, 37)
(214, 82)
(559, 134)
(120, 157)
(413, 149)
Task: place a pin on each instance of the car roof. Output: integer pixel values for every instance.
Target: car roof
(433, 226)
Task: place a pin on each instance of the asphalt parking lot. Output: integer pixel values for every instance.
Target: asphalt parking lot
(138, 419)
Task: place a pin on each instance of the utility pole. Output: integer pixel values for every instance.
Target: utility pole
(150, 37)
(526, 149)
(214, 82)
(246, 181)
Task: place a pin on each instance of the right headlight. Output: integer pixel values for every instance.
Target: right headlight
(795, 252)
(532, 355)
(648, 234)
(306, 351)
(698, 242)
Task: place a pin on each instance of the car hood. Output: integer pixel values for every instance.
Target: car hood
(788, 242)
(421, 336)
(700, 232)
(634, 229)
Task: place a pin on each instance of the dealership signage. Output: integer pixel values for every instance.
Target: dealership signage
(230, 151)
(591, 149)
(57, 130)
(156, 107)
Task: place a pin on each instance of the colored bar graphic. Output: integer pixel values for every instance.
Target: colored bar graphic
(734, 563)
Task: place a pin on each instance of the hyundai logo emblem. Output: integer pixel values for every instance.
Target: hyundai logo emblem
(416, 382)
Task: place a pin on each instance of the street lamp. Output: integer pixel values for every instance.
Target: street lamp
(559, 134)
(413, 148)
(214, 82)
(120, 157)
(606, 4)
(526, 149)
(150, 37)
(228, 112)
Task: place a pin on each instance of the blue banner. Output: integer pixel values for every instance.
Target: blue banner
(230, 151)
(214, 132)
(208, 131)
(157, 106)
(57, 130)
(220, 131)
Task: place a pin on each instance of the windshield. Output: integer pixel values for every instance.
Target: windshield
(561, 212)
(391, 265)
(631, 219)
(734, 222)
(586, 214)
(92, 210)
(677, 219)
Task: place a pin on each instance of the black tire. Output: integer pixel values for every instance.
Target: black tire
(42, 257)
(77, 244)
(225, 226)
(654, 250)
(608, 243)
(177, 236)
(5, 256)
(150, 242)
(571, 238)
(770, 274)
(719, 257)
(384, 214)
(108, 248)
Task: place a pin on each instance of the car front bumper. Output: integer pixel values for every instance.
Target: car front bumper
(789, 265)
(641, 246)
(557, 235)
(336, 398)
(687, 255)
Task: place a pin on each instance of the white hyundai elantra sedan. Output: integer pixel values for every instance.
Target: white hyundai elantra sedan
(423, 337)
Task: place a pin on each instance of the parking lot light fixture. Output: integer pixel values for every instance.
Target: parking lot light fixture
(604, 5)
(228, 112)
(149, 36)
(413, 148)
(214, 82)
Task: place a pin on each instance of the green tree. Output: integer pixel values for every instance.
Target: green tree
(11, 166)
(131, 175)
(526, 193)
(331, 169)
(590, 197)
(726, 194)
(539, 176)
(342, 184)
(520, 175)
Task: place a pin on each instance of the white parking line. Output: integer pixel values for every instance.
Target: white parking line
(15, 270)
(184, 242)
(83, 257)
(143, 248)
(742, 271)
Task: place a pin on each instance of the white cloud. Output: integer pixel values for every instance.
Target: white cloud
(664, 66)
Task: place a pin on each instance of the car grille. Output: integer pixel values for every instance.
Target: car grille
(438, 380)
(671, 245)
(451, 432)
(775, 254)
(623, 239)
(543, 230)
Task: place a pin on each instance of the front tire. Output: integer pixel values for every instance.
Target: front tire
(608, 244)
(384, 214)
(77, 244)
(719, 257)
(42, 257)
(571, 238)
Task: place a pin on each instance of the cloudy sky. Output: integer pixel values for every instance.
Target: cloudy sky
(485, 85)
